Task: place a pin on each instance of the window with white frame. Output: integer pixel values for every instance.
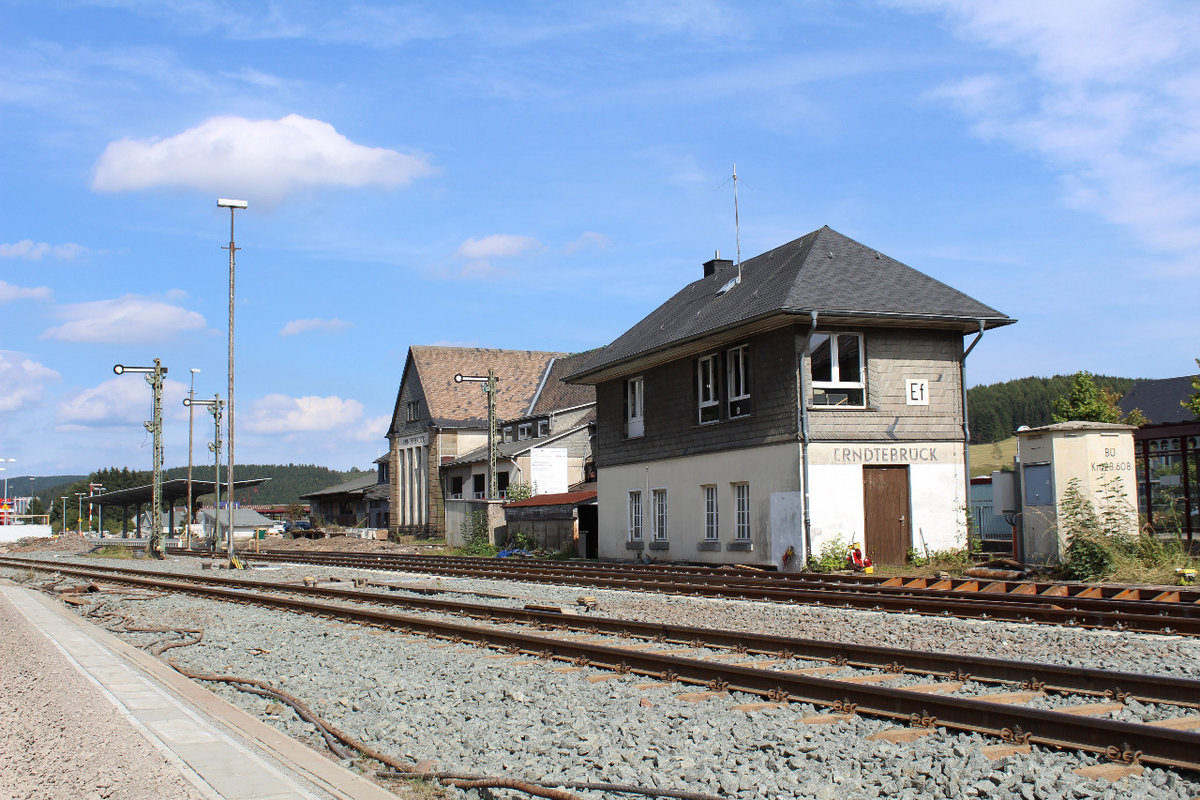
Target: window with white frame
(659, 520)
(508, 433)
(738, 372)
(836, 366)
(707, 392)
(741, 498)
(710, 513)
(634, 411)
(524, 431)
(543, 428)
(635, 516)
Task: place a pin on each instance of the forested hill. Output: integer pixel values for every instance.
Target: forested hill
(998, 409)
(288, 481)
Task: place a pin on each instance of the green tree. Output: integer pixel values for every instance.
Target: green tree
(1193, 403)
(36, 507)
(1091, 403)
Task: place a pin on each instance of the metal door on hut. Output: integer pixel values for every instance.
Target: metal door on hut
(887, 536)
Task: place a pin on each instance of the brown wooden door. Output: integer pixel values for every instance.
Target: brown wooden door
(885, 506)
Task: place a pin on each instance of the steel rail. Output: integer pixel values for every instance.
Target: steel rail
(1146, 617)
(1066, 589)
(1108, 683)
(1122, 741)
(1186, 608)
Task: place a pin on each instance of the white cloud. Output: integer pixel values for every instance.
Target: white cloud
(131, 318)
(22, 380)
(498, 245)
(372, 430)
(1110, 98)
(119, 401)
(255, 159)
(588, 239)
(278, 413)
(302, 325)
(9, 292)
(480, 253)
(36, 251)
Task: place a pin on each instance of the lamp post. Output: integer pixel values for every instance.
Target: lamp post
(63, 527)
(187, 537)
(214, 408)
(92, 488)
(232, 205)
(489, 386)
(154, 377)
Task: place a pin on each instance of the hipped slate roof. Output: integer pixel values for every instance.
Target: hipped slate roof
(1160, 400)
(353, 486)
(464, 404)
(823, 271)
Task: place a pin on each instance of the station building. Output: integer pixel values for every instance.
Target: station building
(812, 394)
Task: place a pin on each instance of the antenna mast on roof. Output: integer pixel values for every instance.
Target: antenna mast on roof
(737, 228)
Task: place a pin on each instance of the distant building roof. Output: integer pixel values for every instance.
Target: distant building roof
(354, 486)
(824, 271)
(451, 404)
(555, 393)
(513, 449)
(1160, 400)
(562, 499)
(1079, 425)
(242, 518)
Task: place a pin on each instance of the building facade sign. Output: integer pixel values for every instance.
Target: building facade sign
(915, 453)
(416, 440)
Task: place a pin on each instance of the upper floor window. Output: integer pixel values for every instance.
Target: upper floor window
(524, 431)
(738, 371)
(707, 394)
(508, 433)
(479, 487)
(543, 428)
(836, 366)
(456, 487)
(414, 410)
(634, 419)
(383, 472)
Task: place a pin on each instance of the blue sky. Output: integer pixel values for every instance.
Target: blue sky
(541, 175)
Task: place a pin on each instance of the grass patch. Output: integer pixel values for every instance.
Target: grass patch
(112, 551)
(995, 455)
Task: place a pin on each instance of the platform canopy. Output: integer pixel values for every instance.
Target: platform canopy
(172, 490)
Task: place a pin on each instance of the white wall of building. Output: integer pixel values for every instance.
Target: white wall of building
(767, 470)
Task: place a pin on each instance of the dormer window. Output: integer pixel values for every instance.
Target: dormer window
(508, 433)
(543, 428)
(524, 431)
(836, 366)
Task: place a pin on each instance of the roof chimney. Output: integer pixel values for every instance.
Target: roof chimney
(714, 265)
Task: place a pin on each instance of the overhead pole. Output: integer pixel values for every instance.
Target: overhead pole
(214, 408)
(489, 386)
(232, 205)
(154, 377)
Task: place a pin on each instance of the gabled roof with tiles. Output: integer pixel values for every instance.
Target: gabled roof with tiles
(464, 405)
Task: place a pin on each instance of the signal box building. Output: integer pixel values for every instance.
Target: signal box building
(814, 395)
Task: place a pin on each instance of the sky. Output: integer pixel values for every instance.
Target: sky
(542, 175)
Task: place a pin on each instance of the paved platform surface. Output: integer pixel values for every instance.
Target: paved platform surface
(222, 751)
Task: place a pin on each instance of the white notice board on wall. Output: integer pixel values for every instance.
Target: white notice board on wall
(548, 470)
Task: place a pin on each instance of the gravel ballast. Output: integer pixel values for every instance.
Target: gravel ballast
(472, 713)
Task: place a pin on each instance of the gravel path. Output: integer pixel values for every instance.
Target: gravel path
(60, 738)
(411, 698)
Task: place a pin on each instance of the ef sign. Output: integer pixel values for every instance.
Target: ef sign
(917, 391)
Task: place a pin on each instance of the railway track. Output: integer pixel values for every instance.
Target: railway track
(651, 650)
(1161, 611)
